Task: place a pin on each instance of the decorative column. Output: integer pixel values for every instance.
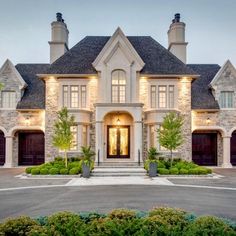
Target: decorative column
(226, 152)
(99, 141)
(138, 141)
(9, 152)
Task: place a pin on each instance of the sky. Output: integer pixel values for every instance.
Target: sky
(210, 25)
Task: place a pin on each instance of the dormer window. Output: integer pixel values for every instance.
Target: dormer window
(226, 99)
(8, 99)
(118, 86)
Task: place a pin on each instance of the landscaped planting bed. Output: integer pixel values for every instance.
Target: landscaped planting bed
(57, 167)
(179, 167)
(159, 221)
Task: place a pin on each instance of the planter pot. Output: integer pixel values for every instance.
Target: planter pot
(85, 171)
(152, 169)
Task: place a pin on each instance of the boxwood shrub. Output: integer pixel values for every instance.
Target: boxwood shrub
(174, 171)
(64, 171)
(183, 171)
(162, 171)
(123, 222)
(35, 171)
(74, 171)
(43, 171)
(54, 171)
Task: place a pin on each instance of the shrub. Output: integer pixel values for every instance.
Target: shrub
(74, 171)
(202, 171)
(160, 164)
(75, 164)
(183, 171)
(193, 171)
(209, 225)
(44, 171)
(37, 230)
(162, 171)
(65, 223)
(58, 158)
(35, 171)
(54, 171)
(64, 171)
(174, 171)
(18, 226)
(122, 214)
(28, 170)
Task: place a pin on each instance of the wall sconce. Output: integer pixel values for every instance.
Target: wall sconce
(118, 122)
(208, 121)
(27, 121)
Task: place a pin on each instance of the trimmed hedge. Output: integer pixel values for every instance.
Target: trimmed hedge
(179, 167)
(57, 167)
(163, 221)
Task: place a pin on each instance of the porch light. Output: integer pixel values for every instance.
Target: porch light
(118, 122)
(27, 121)
(208, 121)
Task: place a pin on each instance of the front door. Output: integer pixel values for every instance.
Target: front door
(31, 148)
(118, 141)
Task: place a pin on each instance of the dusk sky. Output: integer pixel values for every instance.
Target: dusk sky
(210, 25)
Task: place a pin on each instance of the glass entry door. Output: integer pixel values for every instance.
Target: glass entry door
(118, 141)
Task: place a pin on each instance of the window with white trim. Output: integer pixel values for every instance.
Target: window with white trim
(162, 96)
(118, 87)
(74, 96)
(74, 144)
(227, 99)
(8, 99)
(154, 142)
(84, 135)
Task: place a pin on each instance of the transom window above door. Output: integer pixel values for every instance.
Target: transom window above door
(118, 89)
(74, 96)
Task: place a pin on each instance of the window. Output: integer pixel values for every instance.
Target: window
(74, 96)
(74, 131)
(152, 136)
(226, 99)
(118, 86)
(154, 142)
(8, 99)
(84, 135)
(164, 97)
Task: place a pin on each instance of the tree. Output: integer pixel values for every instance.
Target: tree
(1, 86)
(170, 134)
(63, 136)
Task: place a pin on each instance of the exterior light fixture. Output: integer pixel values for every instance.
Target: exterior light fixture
(27, 120)
(118, 122)
(208, 121)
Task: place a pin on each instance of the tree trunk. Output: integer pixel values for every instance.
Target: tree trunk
(171, 158)
(65, 155)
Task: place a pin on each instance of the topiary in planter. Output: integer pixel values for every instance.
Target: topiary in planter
(183, 172)
(74, 171)
(43, 171)
(174, 171)
(35, 171)
(64, 171)
(162, 171)
(54, 171)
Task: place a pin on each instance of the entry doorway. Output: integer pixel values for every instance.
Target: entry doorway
(118, 140)
(2, 148)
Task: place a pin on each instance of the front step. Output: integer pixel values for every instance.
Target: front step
(118, 171)
(118, 164)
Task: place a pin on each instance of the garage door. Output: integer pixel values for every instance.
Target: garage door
(2, 148)
(233, 149)
(31, 148)
(204, 148)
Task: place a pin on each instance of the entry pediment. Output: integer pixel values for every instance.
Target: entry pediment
(118, 42)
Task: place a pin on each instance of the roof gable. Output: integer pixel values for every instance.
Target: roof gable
(118, 41)
(225, 71)
(9, 69)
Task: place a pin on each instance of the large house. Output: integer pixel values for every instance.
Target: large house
(119, 88)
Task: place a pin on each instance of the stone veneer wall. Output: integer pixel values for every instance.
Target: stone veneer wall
(184, 106)
(51, 108)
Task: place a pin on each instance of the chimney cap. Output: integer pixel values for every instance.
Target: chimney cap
(177, 17)
(59, 17)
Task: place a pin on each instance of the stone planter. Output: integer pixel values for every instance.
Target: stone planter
(85, 171)
(152, 169)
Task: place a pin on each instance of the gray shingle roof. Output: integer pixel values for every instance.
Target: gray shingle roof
(158, 60)
(34, 95)
(202, 97)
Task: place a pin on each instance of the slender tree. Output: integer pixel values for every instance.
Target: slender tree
(63, 136)
(170, 134)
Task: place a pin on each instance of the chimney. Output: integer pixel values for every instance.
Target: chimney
(59, 38)
(176, 39)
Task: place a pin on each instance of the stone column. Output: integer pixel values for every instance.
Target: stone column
(226, 152)
(138, 140)
(99, 141)
(9, 152)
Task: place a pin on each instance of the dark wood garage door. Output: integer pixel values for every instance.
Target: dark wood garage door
(204, 148)
(31, 148)
(2, 148)
(233, 149)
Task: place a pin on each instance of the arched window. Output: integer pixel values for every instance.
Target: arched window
(118, 88)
